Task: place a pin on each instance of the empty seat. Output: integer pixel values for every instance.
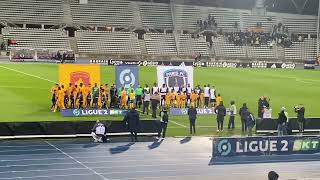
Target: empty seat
(107, 42)
(37, 38)
(32, 11)
(160, 44)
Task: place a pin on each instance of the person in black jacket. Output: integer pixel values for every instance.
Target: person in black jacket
(300, 110)
(221, 113)
(132, 121)
(113, 96)
(282, 120)
(243, 112)
(192, 112)
(164, 119)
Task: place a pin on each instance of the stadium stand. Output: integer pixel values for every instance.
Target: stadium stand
(102, 13)
(186, 17)
(37, 38)
(150, 16)
(160, 44)
(156, 15)
(191, 46)
(107, 42)
(32, 11)
(223, 48)
(263, 52)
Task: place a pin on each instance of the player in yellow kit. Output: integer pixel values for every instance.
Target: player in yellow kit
(201, 98)
(123, 100)
(178, 101)
(132, 98)
(60, 100)
(167, 100)
(218, 100)
(183, 100)
(194, 97)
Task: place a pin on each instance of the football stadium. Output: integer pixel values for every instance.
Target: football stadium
(159, 89)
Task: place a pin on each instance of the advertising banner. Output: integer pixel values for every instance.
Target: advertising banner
(174, 76)
(184, 111)
(92, 112)
(78, 73)
(127, 75)
(266, 146)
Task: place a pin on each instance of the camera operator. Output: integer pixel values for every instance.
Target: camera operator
(300, 115)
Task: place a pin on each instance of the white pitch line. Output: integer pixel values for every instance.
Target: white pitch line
(95, 172)
(31, 75)
(22, 87)
(174, 122)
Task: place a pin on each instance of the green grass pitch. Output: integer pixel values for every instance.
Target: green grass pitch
(26, 97)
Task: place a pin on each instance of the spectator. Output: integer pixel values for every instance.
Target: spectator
(243, 112)
(155, 100)
(164, 119)
(146, 101)
(132, 121)
(220, 110)
(300, 110)
(282, 120)
(192, 113)
(233, 112)
(273, 175)
(99, 132)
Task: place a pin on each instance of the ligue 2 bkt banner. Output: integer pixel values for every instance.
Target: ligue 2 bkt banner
(174, 76)
(127, 75)
(77, 73)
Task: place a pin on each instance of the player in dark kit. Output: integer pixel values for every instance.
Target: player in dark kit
(53, 99)
(72, 99)
(88, 100)
(66, 100)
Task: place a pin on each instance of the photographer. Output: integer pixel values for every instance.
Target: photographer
(300, 115)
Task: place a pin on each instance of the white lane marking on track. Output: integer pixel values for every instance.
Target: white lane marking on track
(95, 172)
(35, 177)
(31, 75)
(77, 153)
(174, 122)
(103, 167)
(88, 162)
(92, 157)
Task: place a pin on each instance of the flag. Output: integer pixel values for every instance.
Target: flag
(127, 75)
(78, 73)
(174, 76)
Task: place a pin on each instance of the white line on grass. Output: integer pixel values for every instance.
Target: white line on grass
(95, 172)
(23, 87)
(174, 122)
(21, 72)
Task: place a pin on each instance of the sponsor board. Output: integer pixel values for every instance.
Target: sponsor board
(215, 64)
(265, 146)
(184, 111)
(92, 112)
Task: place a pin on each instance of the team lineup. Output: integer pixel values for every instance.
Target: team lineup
(83, 96)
